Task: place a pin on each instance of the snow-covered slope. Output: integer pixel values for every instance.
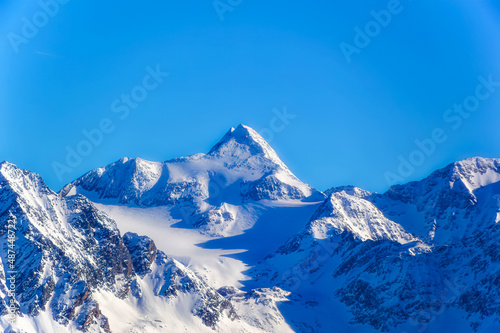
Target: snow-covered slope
(344, 212)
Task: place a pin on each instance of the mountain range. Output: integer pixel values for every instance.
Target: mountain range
(233, 241)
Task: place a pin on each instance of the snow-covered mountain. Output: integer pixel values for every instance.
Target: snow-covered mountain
(422, 257)
(73, 271)
(450, 204)
(232, 241)
(207, 191)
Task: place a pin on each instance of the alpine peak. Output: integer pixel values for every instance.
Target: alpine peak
(245, 141)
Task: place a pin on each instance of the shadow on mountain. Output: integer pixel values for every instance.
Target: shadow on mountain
(274, 226)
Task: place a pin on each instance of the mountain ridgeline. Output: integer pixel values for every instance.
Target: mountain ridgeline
(233, 241)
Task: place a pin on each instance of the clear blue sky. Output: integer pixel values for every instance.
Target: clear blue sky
(352, 120)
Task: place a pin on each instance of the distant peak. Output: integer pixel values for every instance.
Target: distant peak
(350, 190)
(242, 127)
(241, 134)
(244, 138)
(468, 167)
(22, 180)
(468, 174)
(477, 162)
(7, 166)
(124, 160)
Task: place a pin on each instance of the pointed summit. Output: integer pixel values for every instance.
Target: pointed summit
(244, 142)
(22, 182)
(5, 166)
(476, 172)
(11, 171)
(466, 175)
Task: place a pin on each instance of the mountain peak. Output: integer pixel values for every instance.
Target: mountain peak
(349, 189)
(7, 170)
(476, 164)
(20, 183)
(473, 172)
(243, 141)
(12, 172)
(346, 211)
(4, 165)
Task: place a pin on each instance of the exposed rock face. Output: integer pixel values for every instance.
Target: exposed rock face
(173, 279)
(142, 250)
(63, 249)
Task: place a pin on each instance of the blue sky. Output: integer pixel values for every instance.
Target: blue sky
(353, 122)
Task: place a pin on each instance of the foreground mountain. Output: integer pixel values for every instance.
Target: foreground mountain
(67, 268)
(356, 251)
(234, 242)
